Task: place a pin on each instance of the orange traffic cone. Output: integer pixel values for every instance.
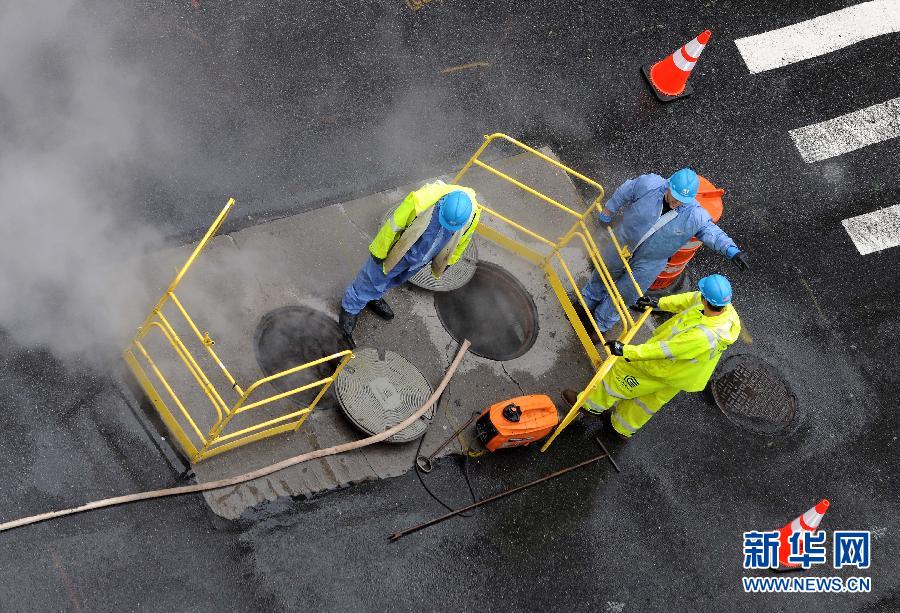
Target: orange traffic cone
(809, 521)
(668, 77)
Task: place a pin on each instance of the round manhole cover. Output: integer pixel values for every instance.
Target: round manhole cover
(493, 310)
(753, 395)
(454, 277)
(378, 389)
(294, 335)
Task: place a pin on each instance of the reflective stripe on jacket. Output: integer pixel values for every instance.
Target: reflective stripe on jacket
(414, 205)
(684, 351)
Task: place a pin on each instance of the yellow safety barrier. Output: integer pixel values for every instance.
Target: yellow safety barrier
(199, 443)
(552, 263)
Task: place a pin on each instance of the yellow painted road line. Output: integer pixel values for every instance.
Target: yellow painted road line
(825, 322)
(452, 69)
(745, 336)
(815, 303)
(415, 5)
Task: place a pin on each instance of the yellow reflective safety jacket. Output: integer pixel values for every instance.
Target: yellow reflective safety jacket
(418, 205)
(684, 351)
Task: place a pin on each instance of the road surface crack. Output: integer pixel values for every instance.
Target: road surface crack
(511, 378)
(365, 235)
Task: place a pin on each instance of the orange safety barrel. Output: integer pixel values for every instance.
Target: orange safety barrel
(710, 198)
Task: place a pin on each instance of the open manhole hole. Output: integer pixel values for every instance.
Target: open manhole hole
(294, 335)
(753, 395)
(493, 310)
(378, 389)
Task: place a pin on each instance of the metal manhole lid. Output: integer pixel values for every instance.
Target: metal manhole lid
(454, 277)
(754, 395)
(378, 389)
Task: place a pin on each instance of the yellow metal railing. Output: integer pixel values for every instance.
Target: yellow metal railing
(201, 442)
(553, 261)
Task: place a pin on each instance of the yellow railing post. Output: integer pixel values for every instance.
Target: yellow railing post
(579, 229)
(192, 440)
(594, 382)
(220, 438)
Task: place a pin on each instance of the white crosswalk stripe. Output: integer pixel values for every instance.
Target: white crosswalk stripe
(875, 231)
(849, 132)
(815, 37)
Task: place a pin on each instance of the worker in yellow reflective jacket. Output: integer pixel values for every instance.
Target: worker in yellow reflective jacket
(433, 224)
(681, 355)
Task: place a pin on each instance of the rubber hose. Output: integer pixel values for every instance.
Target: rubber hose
(255, 474)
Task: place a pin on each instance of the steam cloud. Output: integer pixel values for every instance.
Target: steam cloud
(73, 127)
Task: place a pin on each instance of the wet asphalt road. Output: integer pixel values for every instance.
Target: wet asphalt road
(288, 105)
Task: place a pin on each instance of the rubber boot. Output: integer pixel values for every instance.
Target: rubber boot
(347, 323)
(381, 308)
(570, 396)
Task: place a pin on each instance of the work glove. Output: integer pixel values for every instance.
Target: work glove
(615, 347)
(741, 260)
(605, 216)
(646, 301)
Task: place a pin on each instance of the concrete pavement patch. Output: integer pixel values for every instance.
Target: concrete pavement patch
(308, 259)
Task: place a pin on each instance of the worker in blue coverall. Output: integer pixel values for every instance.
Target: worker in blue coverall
(659, 217)
(434, 224)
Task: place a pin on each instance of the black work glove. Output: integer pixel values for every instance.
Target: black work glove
(646, 301)
(741, 260)
(615, 347)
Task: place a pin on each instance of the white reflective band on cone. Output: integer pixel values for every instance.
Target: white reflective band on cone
(693, 49)
(812, 519)
(681, 61)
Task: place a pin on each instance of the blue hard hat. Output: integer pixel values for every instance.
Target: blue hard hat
(684, 184)
(455, 210)
(716, 289)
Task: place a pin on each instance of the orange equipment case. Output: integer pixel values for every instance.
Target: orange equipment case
(517, 421)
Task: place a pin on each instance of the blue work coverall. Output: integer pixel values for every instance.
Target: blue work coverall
(372, 283)
(641, 202)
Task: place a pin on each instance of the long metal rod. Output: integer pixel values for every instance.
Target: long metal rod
(437, 520)
(259, 472)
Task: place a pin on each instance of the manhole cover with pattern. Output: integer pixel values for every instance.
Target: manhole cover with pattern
(753, 395)
(494, 311)
(378, 389)
(294, 335)
(454, 277)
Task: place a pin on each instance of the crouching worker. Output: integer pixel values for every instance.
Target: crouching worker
(433, 224)
(681, 355)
